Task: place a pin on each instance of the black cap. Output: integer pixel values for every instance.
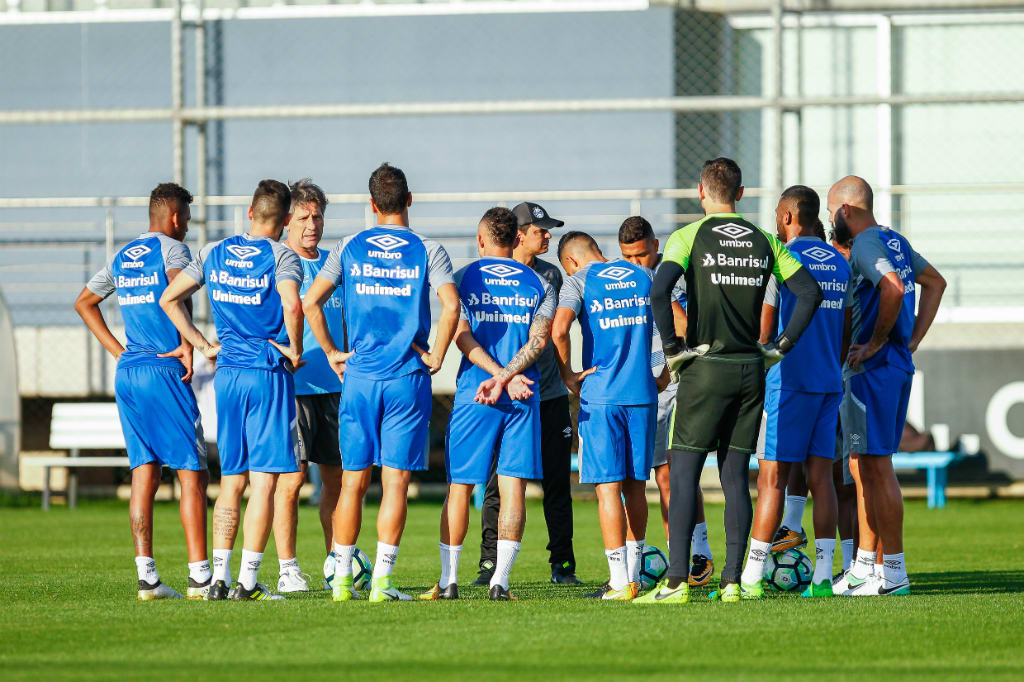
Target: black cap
(528, 213)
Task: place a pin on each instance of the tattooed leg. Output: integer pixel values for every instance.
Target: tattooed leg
(225, 512)
(512, 516)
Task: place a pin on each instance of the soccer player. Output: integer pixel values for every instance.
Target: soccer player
(727, 262)
(253, 284)
(802, 396)
(640, 247)
(887, 274)
(385, 273)
(317, 395)
(506, 322)
(618, 396)
(535, 225)
(155, 402)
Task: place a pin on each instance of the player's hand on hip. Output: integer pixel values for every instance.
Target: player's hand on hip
(575, 381)
(859, 354)
(678, 361)
(293, 355)
(210, 352)
(432, 362)
(519, 388)
(489, 390)
(184, 354)
(337, 360)
(771, 353)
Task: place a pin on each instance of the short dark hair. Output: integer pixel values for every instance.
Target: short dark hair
(389, 189)
(502, 225)
(166, 192)
(635, 229)
(572, 236)
(832, 238)
(819, 230)
(271, 202)
(722, 179)
(304, 191)
(807, 204)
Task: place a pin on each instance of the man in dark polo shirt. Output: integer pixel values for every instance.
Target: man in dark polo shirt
(556, 426)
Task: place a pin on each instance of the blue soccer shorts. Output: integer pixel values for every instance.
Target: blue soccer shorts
(159, 417)
(476, 432)
(256, 422)
(616, 442)
(798, 424)
(384, 422)
(874, 410)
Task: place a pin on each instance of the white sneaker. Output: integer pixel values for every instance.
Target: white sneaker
(383, 591)
(293, 580)
(159, 591)
(840, 583)
(867, 588)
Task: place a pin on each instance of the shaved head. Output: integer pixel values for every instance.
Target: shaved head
(576, 249)
(852, 191)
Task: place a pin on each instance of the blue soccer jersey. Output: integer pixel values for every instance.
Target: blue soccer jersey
(500, 299)
(138, 273)
(876, 252)
(812, 366)
(316, 376)
(241, 275)
(386, 273)
(612, 301)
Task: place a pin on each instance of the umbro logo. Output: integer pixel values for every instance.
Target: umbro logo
(136, 252)
(386, 242)
(894, 244)
(819, 254)
(242, 252)
(732, 230)
(500, 270)
(617, 273)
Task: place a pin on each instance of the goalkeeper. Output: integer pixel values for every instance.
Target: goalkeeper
(727, 262)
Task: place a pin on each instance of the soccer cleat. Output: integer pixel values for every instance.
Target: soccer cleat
(293, 580)
(218, 591)
(733, 593)
(852, 585)
(383, 590)
(877, 586)
(788, 539)
(564, 574)
(198, 591)
(149, 592)
(901, 588)
(701, 568)
(822, 589)
(627, 593)
(499, 593)
(486, 573)
(343, 589)
(599, 592)
(258, 593)
(435, 593)
(662, 594)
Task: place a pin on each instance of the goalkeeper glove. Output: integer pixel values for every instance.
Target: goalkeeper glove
(774, 351)
(681, 358)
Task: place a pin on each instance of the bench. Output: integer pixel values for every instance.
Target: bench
(934, 465)
(76, 427)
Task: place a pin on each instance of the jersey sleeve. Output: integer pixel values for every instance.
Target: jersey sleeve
(332, 270)
(679, 246)
(549, 302)
(457, 280)
(176, 255)
(102, 283)
(785, 262)
(195, 269)
(571, 295)
(287, 265)
(918, 261)
(439, 265)
(869, 259)
(679, 292)
(771, 293)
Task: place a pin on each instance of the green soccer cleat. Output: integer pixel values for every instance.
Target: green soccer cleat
(343, 589)
(822, 589)
(382, 590)
(733, 592)
(661, 594)
(158, 590)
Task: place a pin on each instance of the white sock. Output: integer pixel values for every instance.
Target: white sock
(146, 568)
(199, 571)
(250, 568)
(617, 571)
(847, 546)
(824, 551)
(794, 518)
(753, 571)
(449, 564)
(864, 565)
(700, 540)
(343, 560)
(508, 550)
(222, 565)
(285, 564)
(384, 564)
(634, 559)
(894, 568)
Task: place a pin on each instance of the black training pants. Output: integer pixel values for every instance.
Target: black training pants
(556, 449)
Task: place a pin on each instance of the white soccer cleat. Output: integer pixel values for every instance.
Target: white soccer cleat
(840, 584)
(293, 580)
(158, 591)
(862, 588)
(383, 591)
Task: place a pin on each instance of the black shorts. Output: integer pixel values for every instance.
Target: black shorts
(719, 401)
(317, 416)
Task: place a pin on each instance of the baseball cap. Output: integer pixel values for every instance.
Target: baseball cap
(529, 213)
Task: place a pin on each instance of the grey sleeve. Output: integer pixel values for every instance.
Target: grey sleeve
(571, 295)
(548, 303)
(176, 255)
(287, 265)
(457, 281)
(332, 270)
(195, 268)
(102, 283)
(918, 261)
(771, 293)
(439, 266)
(869, 259)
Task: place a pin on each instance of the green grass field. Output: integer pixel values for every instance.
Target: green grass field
(67, 588)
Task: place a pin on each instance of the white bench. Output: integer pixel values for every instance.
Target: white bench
(76, 427)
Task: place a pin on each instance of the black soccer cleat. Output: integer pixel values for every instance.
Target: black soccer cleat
(599, 592)
(564, 574)
(257, 593)
(486, 573)
(499, 593)
(218, 591)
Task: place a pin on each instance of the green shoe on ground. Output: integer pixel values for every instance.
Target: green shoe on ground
(661, 594)
(343, 590)
(728, 594)
(822, 589)
(383, 590)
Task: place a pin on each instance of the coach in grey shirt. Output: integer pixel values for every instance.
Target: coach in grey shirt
(555, 423)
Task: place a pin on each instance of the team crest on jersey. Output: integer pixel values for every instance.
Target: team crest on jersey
(241, 251)
(617, 273)
(138, 251)
(386, 242)
(538, 212)
(500, 270)
(732, 230)
(819, 254)
(894, 244)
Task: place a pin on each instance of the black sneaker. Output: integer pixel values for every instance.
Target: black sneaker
(564, 574)
(499, 593)
(486, 573)
(701, 568)
(599, 592)
(218, 591)
(258, 593)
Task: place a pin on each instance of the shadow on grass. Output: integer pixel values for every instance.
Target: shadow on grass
(968, 582)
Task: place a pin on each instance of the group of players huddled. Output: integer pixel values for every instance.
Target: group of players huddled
(728, 334)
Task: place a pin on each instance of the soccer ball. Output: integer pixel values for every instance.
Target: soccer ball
(788, 570)
(362, 570)
(653, 566)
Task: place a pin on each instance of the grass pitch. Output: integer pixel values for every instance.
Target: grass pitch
(68, 609)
